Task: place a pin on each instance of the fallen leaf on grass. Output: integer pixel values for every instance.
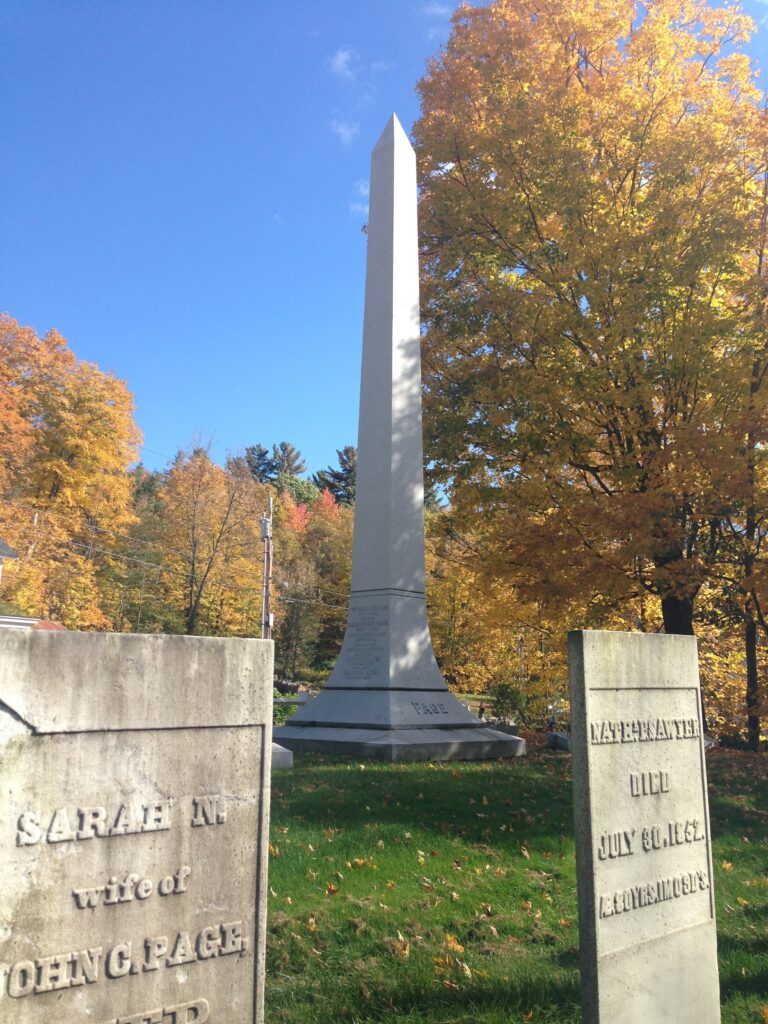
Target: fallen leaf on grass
(311, 875)
(742, 902)
(331, 889)
(563, 923)
(525, 853)
(312, 923)
(727, 866)
(452, 943)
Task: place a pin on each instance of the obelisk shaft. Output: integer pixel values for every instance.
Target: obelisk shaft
(389, 492)
(386, 696)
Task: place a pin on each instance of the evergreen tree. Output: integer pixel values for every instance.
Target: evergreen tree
(261, 467)
(340, 482)
(287, 460)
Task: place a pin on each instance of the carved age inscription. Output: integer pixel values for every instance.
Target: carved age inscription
(365, 648)
(76, 968)
(646, 858)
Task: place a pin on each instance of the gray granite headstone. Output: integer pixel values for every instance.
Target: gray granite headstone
(134, 805)
(643, 852)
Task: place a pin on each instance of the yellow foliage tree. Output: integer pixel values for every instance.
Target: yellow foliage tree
(210, 546)
(65, 489)
(592, 181)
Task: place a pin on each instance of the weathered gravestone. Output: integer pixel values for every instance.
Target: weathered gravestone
(134, 804)
(643, 853)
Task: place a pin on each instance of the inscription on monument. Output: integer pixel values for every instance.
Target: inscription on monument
(642, 827)
(130, 871)
(366, 643)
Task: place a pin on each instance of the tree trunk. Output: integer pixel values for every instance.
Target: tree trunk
(753, 686)
(677, 613)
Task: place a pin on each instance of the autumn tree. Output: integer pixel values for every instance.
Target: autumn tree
(65, 490)
(212, 551)
(313, 558)
(590, 175)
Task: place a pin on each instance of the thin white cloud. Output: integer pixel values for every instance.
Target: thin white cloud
(378, 66)
(437, 10)
(342, 63)
(346, 130)
(359, 205)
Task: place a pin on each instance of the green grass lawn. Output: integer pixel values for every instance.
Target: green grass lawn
(446, 893)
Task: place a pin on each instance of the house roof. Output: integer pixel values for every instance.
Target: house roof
(6, 551)
(28, 622)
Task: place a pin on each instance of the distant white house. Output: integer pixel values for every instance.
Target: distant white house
(27, 622)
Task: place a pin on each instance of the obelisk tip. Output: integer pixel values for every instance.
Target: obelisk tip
(392, 132)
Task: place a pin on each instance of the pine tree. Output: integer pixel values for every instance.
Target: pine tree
(340, 481)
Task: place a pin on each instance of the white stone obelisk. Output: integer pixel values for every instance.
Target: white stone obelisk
(386, 696)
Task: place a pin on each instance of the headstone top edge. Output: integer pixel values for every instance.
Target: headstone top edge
(14, 637)
(114, 682)
(647, 637)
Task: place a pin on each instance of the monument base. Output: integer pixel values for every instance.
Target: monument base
(462, 744)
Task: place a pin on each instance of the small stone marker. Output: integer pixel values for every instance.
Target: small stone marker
(134, 807)
(643, 853)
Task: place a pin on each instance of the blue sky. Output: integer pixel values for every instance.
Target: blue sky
(182, 190)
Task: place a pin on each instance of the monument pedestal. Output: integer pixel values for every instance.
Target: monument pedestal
(418, 744)
(386, 698)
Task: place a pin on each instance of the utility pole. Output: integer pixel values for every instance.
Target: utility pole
(266, 536)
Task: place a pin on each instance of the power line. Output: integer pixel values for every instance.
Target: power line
(90, 549)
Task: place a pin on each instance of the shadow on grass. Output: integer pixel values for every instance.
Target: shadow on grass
(492, 1002)
(469, 800)
(558, 998)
